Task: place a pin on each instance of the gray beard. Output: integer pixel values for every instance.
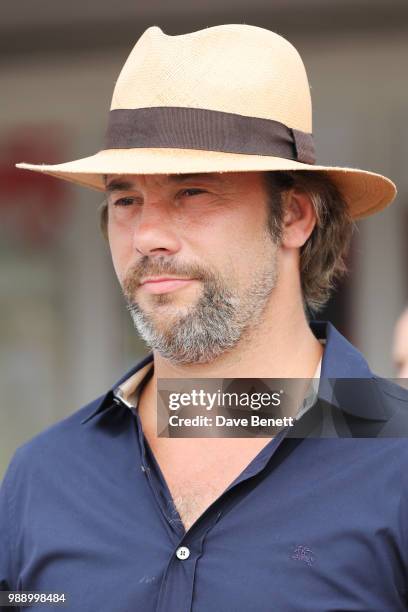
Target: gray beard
(216, 324)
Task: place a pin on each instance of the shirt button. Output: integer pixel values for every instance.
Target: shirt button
(182, 553)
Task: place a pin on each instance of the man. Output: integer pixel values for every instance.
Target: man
(400, 345)
(223, 234)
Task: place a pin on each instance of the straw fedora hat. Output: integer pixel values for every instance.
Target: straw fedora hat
(229, 98)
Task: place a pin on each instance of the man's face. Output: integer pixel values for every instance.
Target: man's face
(211, 232)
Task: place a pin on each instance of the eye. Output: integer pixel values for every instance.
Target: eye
(124, 202)
(192, 192)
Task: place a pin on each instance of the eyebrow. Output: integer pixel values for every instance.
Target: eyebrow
(120, 185)
(117, 185)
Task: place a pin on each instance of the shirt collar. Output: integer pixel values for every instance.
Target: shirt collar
(341, 360)
(105, 401)
(342, 363)
(129, 390)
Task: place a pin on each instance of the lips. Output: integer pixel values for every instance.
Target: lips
(160, 279)
(164, 284)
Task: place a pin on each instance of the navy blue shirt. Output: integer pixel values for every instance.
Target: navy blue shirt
(310, 525)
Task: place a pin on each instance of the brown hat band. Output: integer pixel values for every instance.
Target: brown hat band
(207, 130)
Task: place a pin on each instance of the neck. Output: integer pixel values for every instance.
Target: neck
(281, 345)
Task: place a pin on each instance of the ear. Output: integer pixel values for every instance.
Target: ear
(299, 219)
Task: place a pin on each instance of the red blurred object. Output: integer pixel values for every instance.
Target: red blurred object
(34, 207)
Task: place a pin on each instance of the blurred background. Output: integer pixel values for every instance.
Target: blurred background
(65, 334)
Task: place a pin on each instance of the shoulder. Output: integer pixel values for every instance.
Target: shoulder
(394, 396)
(392, 391)
(74, 441)
(50, 444)
(394, 399)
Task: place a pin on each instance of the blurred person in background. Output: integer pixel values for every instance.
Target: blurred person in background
(400, 346)
(224, 235)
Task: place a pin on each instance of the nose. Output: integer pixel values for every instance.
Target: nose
(155, 231)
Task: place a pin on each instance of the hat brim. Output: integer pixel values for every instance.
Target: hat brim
(365, 192)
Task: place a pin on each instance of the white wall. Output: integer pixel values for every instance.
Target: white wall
(361, 95)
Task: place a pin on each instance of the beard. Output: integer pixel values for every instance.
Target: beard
(201, 332)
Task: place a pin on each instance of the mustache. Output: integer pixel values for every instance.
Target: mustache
(160, 265)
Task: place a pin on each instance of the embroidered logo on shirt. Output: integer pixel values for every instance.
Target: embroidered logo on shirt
(147, 579)
(303, 553)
